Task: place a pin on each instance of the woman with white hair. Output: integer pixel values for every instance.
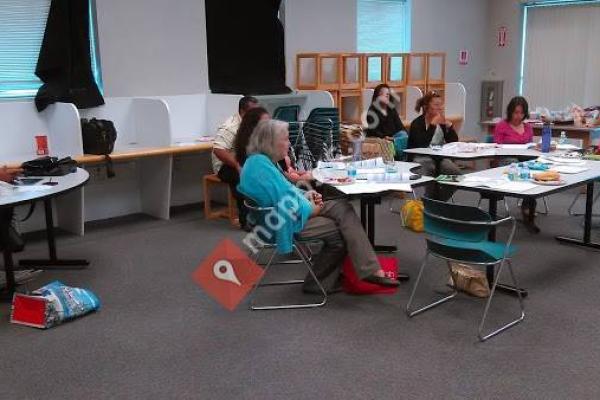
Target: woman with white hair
(304, 213)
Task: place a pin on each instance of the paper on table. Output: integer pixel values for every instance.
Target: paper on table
(567, 146)
(516, 146)
(331, 164)
(366, 171)
(497, 183)
(566, 169)
(371, 187)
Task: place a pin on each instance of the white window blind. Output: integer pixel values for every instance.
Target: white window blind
(22, 25)
(561, 55)
(383, 26)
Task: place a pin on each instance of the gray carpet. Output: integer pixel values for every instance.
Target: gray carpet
(158, 336)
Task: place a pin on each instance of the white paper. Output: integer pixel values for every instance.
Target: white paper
(567, 169)
(567, 146)
(371, 187)
(370, 171)
(516, 146)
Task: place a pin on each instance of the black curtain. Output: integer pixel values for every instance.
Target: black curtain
(64, 64)
(245, 41)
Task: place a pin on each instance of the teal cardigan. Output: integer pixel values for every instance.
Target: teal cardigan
(262, 181)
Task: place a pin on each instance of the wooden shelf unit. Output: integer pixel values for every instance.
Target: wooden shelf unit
(345, 75)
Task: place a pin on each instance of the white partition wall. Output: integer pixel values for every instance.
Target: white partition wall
(21, 122)
(456, 99)
(139, 186)
(187, 117)
(140, 122)
(413, 94)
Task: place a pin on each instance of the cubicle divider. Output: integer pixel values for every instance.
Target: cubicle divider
(21, 122)
(161, 153)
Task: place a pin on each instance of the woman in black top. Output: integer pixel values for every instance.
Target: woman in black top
(432, 127)
(383, 120)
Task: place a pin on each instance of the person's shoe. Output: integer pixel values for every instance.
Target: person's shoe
(403, 277)
(381, 281)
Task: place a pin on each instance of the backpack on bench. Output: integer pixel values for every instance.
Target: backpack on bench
(99, 137)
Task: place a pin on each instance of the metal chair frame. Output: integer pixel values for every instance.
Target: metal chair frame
(304, 257)
(577, 196)
(500, 263)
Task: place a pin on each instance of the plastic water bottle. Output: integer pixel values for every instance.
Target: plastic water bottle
(546, 138)
(524, 173)
(357, 149)
(513, 172)
(563, 138)
(351, 171)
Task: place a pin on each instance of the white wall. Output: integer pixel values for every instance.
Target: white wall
(449, 26)
(152, 47)
(318, 26)
(504, 62)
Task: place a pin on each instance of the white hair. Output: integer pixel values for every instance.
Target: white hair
(264, 138)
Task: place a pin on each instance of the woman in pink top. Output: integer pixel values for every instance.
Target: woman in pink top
(513, 130)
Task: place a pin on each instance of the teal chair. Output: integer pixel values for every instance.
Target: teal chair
(263, 239)
(288, 113)
(400, 144)
(458, 233)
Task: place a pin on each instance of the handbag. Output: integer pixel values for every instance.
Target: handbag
(412, 215)
(49, 166)
(353, 285)
(469, 280)
(99, 137)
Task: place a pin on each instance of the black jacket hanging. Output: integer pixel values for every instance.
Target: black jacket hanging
(64, 64)
(245, 43)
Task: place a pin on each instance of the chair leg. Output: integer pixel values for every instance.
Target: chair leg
(412, 313)
(303, 256)
(480, 334)
(546, 208)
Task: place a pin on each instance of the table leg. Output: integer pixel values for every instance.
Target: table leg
(10, 276)
(490, 270)
(53, 262)
(587, 228)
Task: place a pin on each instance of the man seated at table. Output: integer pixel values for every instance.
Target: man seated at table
(224, 162)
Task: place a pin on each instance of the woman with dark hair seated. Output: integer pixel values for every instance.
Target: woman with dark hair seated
(514, 130)
(432, 128)
(383, 120)
(304, 213)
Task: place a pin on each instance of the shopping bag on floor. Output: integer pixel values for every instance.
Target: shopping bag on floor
(412, 215)
(353, 285)
(51, 305)
(469, 280)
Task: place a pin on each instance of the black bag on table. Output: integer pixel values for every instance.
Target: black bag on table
(99, 136)
(49, 166)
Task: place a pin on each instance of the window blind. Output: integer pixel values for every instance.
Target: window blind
(383, 26)
(22, 26)
(561, 55)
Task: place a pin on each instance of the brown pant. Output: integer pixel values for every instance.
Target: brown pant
(341, 232)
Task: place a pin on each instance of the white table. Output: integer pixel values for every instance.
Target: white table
(571, 180)
(371, 192)
(486, 151)
(11, 197)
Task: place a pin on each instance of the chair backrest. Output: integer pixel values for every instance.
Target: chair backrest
(454, 221)
(321, 131)
(288, 113)
(257, 219)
